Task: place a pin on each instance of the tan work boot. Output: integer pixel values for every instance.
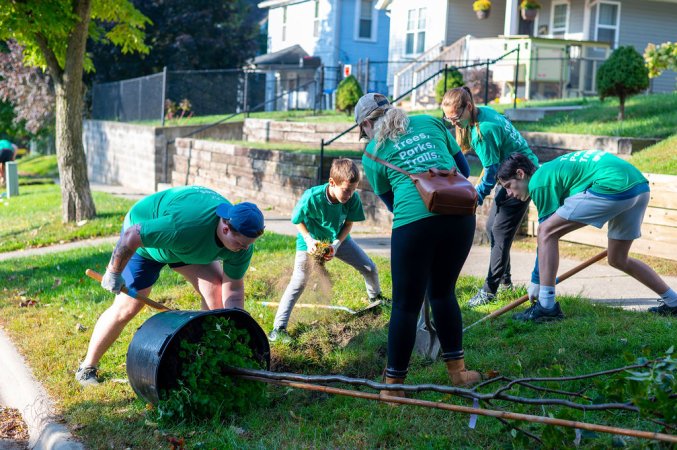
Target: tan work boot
(459, 375)
(385, 393)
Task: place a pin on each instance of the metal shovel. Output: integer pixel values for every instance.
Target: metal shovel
(427, 344)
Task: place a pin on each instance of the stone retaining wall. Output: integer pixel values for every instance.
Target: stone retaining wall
(139, 156)
(551, 145)
(263, 130)
(273, 179)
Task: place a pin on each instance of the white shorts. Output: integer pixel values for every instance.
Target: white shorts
(624, 216)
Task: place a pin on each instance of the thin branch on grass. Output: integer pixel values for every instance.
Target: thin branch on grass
(515, 427)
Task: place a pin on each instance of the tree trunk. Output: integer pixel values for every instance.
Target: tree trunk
(621, 107)
(76, 198)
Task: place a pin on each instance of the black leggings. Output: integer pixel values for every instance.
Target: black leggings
(504, 220)
(427, 255)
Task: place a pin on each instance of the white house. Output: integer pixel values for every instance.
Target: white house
(338, 32)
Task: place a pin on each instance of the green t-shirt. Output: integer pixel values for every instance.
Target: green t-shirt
(499, 140)
(426, 144)
(323, 218)
(570, 174)
(179, 226)
(5, 145)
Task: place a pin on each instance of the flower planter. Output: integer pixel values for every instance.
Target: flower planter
(483, 14)
(529, 14)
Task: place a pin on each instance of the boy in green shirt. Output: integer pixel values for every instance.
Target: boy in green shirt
(326, 213)
(195, 231)
(577, 189)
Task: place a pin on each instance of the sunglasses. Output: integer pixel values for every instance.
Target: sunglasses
(455, 120)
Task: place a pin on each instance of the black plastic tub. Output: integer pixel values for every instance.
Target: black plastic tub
(153, 364)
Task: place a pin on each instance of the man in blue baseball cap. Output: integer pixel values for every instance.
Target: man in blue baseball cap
(193, 230)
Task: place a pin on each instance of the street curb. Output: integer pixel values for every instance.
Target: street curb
(19, 389)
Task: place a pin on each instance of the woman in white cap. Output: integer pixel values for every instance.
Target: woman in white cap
(428, 250)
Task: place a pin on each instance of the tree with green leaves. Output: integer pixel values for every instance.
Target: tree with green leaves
(185, 35)
(348, 92)
(622, 75)
(660, 58)
(54, 37)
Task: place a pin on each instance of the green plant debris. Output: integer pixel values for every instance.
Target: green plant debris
(205, 390)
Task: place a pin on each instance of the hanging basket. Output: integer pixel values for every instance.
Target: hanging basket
(483, 14)
(529, 14)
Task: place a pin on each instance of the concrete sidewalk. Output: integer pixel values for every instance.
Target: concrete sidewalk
(600, 282)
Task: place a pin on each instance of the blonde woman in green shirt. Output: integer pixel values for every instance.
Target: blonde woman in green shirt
(578, 189)
(493, 139)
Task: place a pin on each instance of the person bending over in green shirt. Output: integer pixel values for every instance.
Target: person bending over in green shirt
(195, 231)
(578, 189)
(327, 213)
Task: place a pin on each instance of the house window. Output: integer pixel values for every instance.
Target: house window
(604, 22)
(415, 38)
(365, 20)
(316, 19)
(284, 23)
(560, 19)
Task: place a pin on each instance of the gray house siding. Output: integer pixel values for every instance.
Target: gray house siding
(462, 20)
(644, 21)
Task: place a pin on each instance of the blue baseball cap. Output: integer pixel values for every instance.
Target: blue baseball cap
(246, 218)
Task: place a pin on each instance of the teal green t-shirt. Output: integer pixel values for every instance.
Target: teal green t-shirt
(5, 145)
(426, 144)
(573, 173)
(499, 140)
(323, 218)
(179, 226)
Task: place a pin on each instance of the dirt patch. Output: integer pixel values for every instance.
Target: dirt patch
(13, 427)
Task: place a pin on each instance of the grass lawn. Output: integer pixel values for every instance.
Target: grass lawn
(591, 338)
(659, 158)
(33, 219)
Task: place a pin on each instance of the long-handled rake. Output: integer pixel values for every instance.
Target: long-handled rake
(524, 298)
(131, 292)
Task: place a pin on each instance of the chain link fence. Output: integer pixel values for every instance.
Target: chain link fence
(184, 93)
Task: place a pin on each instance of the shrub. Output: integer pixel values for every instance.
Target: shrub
(660, 57)
(348, 93)
(475, 78)
(622, 75)
(481, 5)
(454, 80)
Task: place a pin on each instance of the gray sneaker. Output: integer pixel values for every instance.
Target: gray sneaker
(504, 287)
(87, 376)
(280, 335)
(481, 298)
(663, 309)
(537, 313)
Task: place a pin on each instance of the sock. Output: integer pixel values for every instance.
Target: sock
(546, 297)
(670, 298)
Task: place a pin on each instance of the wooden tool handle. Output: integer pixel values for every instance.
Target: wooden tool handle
(153, 304)
(524, 298)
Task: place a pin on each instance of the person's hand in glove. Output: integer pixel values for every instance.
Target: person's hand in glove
(533, 290)
(112, 281)
(333, 249)
(480, 196)
(311, 244)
